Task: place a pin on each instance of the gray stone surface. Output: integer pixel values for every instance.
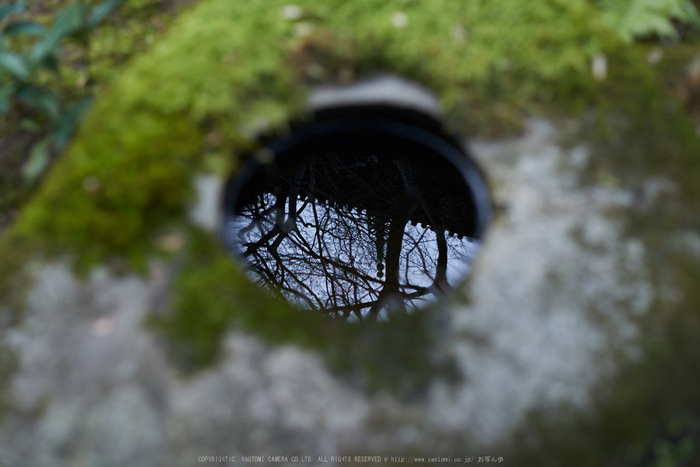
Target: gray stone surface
(554, 294)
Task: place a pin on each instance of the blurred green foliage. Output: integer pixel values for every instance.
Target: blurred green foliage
(28, 52)
(678, 445)
(633, 19)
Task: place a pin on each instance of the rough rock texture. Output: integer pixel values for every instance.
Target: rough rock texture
(108, 396)
(553, 296)
(555, 291)
(572, 342)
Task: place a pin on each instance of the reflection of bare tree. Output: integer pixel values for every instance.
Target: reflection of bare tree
(353, 235)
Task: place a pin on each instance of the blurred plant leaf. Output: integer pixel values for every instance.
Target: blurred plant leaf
(71, 18)
(41, 99)
(26, 27)
(19, 76)
(68, 122)
(30, 125)
(638, 18)
(45, 47)
(15, 65)
(68, 21)
(6, 93)
(12, 9)
(50, 63)
(37, 162)
(101, 11)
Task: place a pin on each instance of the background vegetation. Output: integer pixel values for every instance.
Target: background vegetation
(55, 56)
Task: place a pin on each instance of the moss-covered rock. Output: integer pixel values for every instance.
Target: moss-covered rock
(560, 353)
(234, 69)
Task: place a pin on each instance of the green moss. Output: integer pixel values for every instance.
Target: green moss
(227, 70)
(214, 296)
(640, 127)
(638, 132)
(650, 415)
(112, 191)
(126, 34)
(233, 68)
(16, 253)
(85, 69)
(8, 366)
(488, 61)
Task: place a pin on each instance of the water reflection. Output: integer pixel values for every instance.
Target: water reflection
(358, 224)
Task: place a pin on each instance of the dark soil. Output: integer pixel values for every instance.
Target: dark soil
(14, 150)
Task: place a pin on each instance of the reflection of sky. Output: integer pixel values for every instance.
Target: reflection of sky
(330, 259)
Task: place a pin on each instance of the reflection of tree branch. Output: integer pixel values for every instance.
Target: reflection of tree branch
(336, 265)
(359, 306)
(270, 276)
(380, 301)
(333, 271)
(319, 240)
(411, 249)
(319, 231)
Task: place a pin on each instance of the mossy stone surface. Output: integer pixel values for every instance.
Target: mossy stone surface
(581, 310)
(232, 69)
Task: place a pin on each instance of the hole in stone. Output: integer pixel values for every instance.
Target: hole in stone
(362, 213)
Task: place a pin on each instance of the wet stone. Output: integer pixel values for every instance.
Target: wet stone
(358, 218)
